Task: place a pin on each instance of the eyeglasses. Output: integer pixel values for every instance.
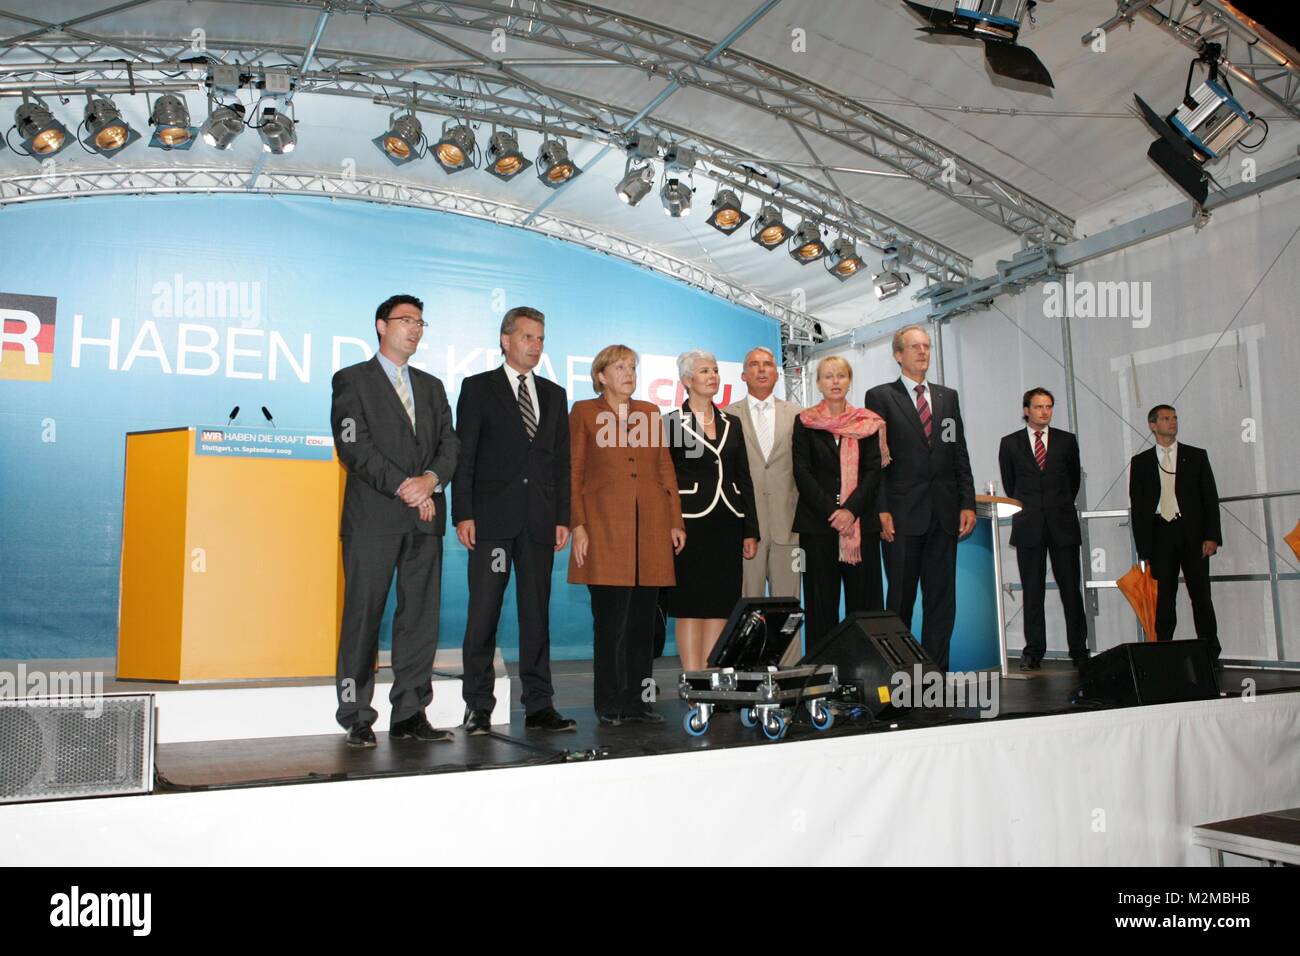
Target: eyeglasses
(408, 320)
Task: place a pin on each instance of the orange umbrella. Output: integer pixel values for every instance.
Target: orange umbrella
(1293, 539)
(1139, 586)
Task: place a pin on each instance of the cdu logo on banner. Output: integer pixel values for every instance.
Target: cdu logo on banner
(27, 337)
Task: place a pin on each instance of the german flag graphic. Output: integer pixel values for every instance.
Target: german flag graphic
(27, 338)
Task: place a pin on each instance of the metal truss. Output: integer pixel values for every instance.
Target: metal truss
(447, 89)
(69, 183)
(580, 29)
(1250, 53)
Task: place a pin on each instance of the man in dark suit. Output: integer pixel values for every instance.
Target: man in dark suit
(927, 500)
(393, 431)
(1175, 519)
(510, 502)
(1040, 468)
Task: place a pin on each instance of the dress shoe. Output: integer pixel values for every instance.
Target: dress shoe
(611, 720)
(1080, 661)
(417, 727)
(361, 735)
(1030, 664)
(549, 719)
(478, 722)
(643, 717)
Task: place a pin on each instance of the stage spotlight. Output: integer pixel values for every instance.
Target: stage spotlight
(554, 168)
(769, 231)
(106, 132)
(278, 131)
(889, 284)
(844, 262)
(455, 150)
(223, 126)
(1207, 124)
(505, 161)
(997, 23)
(676, 197)
(40, 131)
(636, 182)
(727, 215)
(401, 144)
(806, 244)
(170, 119)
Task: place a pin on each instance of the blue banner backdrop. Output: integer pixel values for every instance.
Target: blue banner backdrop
(170, 310)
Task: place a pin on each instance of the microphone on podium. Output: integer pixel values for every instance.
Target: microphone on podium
(233, 412)
(266, 412)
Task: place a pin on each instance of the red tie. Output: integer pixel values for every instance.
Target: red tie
(923, 409)
(1040, 453)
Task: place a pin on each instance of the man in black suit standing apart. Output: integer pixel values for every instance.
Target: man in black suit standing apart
(1175, 518)
(1040, 468)
(510, 502)
(393, 431)
(927, 500)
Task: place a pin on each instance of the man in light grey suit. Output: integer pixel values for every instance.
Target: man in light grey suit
(768, 423)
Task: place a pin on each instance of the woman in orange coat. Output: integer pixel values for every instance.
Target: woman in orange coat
(627, 524)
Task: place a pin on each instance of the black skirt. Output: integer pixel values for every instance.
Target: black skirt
(709, 567)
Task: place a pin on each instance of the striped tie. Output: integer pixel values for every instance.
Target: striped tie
(526, 408)
(1040, 453)
(404, 394)
(923, 409)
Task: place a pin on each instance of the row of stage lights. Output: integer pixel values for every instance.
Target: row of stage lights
(107, 133)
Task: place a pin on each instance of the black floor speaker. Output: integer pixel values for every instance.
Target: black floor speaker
(1158, 672)
(868, 649)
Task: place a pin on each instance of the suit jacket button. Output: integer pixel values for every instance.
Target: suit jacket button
(525, 481)
(634, 474)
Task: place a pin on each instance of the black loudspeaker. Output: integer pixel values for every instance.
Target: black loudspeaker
(868, 649)
(1159, 672)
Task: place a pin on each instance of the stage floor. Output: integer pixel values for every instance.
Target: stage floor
(272, 761)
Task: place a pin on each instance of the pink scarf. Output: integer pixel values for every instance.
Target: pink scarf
(850, 423)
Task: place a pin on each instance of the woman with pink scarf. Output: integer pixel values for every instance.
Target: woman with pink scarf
(839, 451)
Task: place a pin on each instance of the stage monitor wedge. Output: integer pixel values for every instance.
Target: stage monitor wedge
(868, 649)
(1154, 672)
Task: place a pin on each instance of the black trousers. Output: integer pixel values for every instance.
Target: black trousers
(825, 574)
(623, 648)
(1067, 571)
(489, 574)
(1171, 551)
(368, 566)
(929, 560)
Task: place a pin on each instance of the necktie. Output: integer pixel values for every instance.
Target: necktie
(1168, 498)
(1040, 452)
(765, 429)
(923, 409)
(526, 408)
(404, 394)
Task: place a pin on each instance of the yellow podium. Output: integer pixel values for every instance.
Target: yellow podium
(231, 563)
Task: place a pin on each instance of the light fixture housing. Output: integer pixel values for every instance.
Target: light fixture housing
(769, 229)
(106, 132)
(637, 181)
(43, 135)
(455, 149)
(676, 197)
(554, 167)
(278, 131)
(223, 126)
(504, 160)
(888, 283)
(843, 262)
(401, 144)
(806, 244)
(727, 215)
(170, 119)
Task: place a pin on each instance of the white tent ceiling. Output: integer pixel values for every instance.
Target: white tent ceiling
(1078, 150)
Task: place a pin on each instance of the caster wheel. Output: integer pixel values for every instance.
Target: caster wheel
(774, 727)
(821, 716)
(694, 724)
(747, 717)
